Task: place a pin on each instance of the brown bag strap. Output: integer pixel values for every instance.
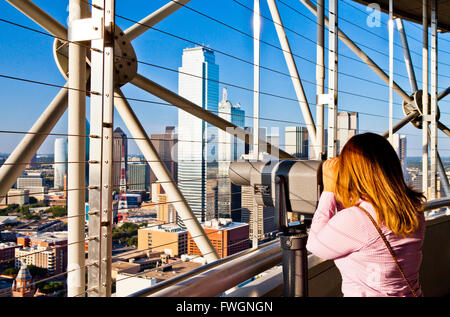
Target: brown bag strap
(390, 249)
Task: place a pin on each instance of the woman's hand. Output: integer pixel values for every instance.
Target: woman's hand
(329, 174)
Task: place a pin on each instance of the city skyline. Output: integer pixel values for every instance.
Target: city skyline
(168, 51)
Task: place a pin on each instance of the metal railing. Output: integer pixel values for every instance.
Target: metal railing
(222, 275)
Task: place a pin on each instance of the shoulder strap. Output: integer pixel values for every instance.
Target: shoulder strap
(388, 246)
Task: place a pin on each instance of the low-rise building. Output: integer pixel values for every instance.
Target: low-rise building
(170, 239)
(7, 254)
(16, 196)
(226, 236)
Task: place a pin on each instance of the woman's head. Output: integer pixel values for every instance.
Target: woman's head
(369, 169)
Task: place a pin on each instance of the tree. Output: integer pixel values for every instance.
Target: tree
(58, 211)
(37, 272)
(133, 241)
(12, 271)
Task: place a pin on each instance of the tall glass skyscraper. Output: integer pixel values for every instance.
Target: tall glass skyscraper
(197, 140)
(230, 149)
(60, 166)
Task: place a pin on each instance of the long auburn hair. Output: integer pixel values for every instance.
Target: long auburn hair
(369, 169)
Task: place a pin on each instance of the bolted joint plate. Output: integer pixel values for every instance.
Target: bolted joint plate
(417, 105)
(125, 62)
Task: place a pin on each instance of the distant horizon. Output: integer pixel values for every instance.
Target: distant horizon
(138, 154)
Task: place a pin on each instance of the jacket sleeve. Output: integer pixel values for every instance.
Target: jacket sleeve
(333, 235)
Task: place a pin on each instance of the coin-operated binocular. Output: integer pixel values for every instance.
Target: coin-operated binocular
(294, 187)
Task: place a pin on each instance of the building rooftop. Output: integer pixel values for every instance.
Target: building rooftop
(166, 228)
(5, 245)
(223, 224)
(177, 269)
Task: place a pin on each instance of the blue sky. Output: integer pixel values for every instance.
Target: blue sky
(27, 54)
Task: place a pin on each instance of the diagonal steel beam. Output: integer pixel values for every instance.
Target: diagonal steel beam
(443, 128)
(195, 110)
(443, 93)
(31, 142)
(407, 55)
(40, 17)
(402, 123)
(363, 56)
(293, 71)
(162, 174)
(152, 19)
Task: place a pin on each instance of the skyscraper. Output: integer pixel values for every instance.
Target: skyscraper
(197, 140)
(60, 166)
(347, 126)
(120, 155)
(138, 176)
(399, 144)
(166, 146)
(296, 141)
(230, 149)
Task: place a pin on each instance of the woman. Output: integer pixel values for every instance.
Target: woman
(367, 178)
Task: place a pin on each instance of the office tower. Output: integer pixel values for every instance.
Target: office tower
(399, 145)
(30, 181)
(296, 141)
(166, 146)
(138, 176)
(60, 166)
(166, 211)
(230, 149)
(120, 155)
(34, 183)
(197, 140)
(347, 126)
(226, 236)
(266, 225)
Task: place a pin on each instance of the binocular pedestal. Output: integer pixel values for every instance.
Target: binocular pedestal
(295, 263)
(293, 240)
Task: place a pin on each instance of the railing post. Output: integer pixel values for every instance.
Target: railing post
(425, 119)
(332, 77)
(320, 76)
(76, 154)
(101, 158)
(434, 79)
